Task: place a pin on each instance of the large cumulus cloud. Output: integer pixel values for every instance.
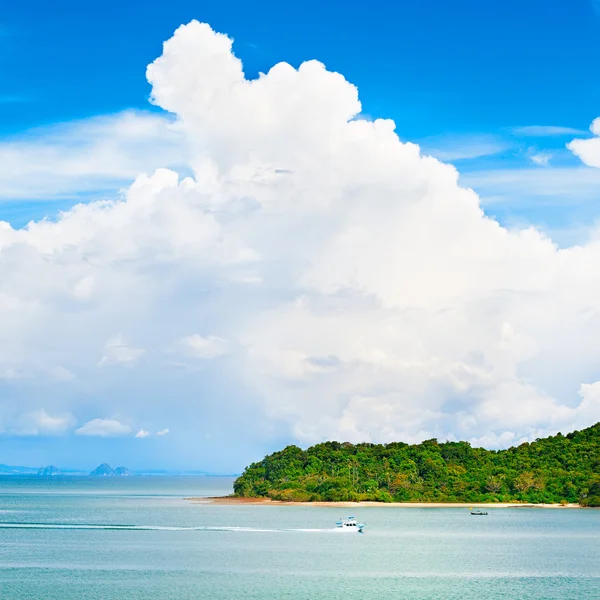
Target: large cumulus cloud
(588, 150)
(316, 275)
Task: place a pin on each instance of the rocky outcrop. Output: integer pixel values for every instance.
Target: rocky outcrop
(105, 470)
(49, 471)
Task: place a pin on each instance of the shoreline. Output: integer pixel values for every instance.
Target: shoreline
(231, 501)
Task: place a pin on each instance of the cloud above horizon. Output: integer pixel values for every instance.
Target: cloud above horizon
(116, 349)
(316, 273)
(546, 131)
(104, 428)
(40, 423)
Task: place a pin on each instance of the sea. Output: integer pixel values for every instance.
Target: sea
(130, 538)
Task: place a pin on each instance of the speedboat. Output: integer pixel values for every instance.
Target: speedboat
(478, 513)
(350, 525)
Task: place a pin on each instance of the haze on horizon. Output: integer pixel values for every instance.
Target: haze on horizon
(281, 268)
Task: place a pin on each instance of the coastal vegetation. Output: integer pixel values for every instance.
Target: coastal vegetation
(558, 469)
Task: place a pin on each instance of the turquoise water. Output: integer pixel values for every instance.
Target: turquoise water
(137, 538)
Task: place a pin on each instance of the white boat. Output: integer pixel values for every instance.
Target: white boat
(350, 525)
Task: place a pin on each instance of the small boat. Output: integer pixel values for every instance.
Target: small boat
(478, 513)
(350, 525)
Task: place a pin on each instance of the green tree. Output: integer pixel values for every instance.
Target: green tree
(555, 469)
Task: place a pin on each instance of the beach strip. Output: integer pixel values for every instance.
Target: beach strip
(233, 501)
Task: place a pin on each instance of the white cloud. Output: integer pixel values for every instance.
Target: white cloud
(117, 351)
(359, 291)
(588, 150)
(142, 433)
(39, 422)
(545, 131)
(83, 289)
(204, 347)
(163, 432)
(541, 159)
(103, 428)
(463, 147)
(553, 186)
(88, 158)
(59, 373)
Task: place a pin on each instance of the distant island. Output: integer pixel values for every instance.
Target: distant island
(17, 470)
(49, 471)
(561, 469)
(105, 470)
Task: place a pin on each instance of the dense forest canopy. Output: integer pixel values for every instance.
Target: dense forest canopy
(562, 468)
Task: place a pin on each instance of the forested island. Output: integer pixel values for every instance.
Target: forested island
(558, 469)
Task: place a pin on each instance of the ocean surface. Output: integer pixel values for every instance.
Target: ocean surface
(137, 538)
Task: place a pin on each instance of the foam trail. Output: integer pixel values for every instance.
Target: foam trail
(113, 527)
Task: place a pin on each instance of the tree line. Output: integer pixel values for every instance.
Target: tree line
(557, 469)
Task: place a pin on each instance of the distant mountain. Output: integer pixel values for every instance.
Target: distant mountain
(105, 470)
(14, 470)
(122, 472)
(49, 471)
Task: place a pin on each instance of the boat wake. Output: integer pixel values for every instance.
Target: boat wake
(114, 527)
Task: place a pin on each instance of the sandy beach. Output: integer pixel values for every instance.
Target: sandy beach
(230, 500)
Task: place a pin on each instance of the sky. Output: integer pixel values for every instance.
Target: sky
(287, 225)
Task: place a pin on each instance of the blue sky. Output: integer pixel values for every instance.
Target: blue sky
(496, 89)
(433, 66)
(453, 75)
